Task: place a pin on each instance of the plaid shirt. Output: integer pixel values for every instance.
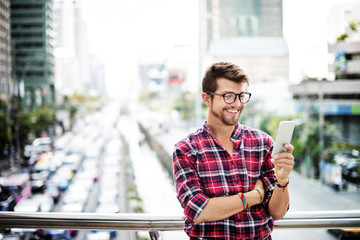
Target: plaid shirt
(203, 169)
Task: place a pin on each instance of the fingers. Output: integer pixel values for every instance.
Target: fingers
(286, 155)
(284, 159)
(289, 147)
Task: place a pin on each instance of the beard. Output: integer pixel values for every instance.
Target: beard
(226, 118)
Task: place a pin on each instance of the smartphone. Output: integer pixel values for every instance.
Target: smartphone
(283, 136)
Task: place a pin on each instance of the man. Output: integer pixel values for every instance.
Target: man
(226, 180)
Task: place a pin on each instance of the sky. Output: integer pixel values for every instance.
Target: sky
(120, 30)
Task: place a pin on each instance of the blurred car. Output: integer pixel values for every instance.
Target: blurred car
(345, 234)
(107, 197)
(53, 190)
(7, 202)
(55, 234)
(46, 202)
(351, 172)
(57, 160)
(71, 207)
(75, 197)
(74, 208)
(73, 161)
(98, 236)
(107, 208)
(38, 180)
(27, 205)
(43, 144)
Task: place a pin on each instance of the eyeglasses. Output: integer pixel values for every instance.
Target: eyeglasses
(230, 97)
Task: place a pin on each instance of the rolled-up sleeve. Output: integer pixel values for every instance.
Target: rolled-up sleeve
(187, 181)
(267, 172)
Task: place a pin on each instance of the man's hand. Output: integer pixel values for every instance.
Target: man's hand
(284, 162)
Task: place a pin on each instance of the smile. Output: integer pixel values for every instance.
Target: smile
(232, 111)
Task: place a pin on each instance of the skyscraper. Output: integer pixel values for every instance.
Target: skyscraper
(32, 39)
(71, 54)
(5, 78)
(248, 33)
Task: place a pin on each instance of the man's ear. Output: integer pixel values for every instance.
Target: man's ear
(206, 99)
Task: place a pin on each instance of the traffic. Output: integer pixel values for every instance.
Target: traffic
(76, 172)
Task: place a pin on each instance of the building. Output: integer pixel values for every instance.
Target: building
(338, 101)
(248, 33)
(32, 51)
(6, 86)
(97, 76)
(72, 71)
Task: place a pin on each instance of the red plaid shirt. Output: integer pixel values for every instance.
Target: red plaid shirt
(203, 169)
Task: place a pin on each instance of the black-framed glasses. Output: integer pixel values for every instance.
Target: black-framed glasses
(230, 97)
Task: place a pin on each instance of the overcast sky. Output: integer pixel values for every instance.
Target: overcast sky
(121, 30)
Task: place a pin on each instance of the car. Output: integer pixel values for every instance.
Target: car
(71, 207)
(46, 202)
(107, 196)
(53, 190)
(351, 172)
(55, 234)
(98, 236)
(7, 202)
(38, 180)
(43, 144)
(27, 205)
(73, 161)
(107, 208)
(75, 197)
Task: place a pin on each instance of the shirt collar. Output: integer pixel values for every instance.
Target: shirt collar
(234, 136)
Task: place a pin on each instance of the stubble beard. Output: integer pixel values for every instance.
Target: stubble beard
(229, 121)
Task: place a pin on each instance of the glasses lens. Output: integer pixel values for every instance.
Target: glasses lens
(229, 97)
(244, 97)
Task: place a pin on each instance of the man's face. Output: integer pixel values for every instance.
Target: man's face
(227, 114)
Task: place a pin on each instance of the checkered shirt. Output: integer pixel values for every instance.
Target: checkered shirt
(203, 169)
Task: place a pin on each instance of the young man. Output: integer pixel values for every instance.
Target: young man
(226, 180)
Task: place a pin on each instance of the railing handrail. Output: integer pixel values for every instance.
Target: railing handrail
(151, 222)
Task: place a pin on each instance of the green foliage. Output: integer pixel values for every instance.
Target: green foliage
(25, 124)
(5, 134)
(342, 37)
(3, 105)
(44, 118)
(73, 110)
(352, 28)
(184, 103)
(308, 142)
(306, 137)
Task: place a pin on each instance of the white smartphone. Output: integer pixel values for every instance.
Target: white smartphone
(283, 136)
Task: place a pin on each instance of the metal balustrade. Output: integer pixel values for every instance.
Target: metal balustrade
(154, 224)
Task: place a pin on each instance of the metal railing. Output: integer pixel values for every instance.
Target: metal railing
(154, 224)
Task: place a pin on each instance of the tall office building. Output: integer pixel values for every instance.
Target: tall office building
(248, 33)
(72, 56)
(6, 86)
(32, 50)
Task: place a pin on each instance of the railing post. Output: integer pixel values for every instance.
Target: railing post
(155, 235)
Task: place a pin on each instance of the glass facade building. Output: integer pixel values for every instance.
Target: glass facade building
(32, 50)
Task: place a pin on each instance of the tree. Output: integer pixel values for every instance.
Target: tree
(44, 118)
(25, 123)
(5, 134)
(310, 145)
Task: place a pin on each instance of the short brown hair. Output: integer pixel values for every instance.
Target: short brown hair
(222, 70)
